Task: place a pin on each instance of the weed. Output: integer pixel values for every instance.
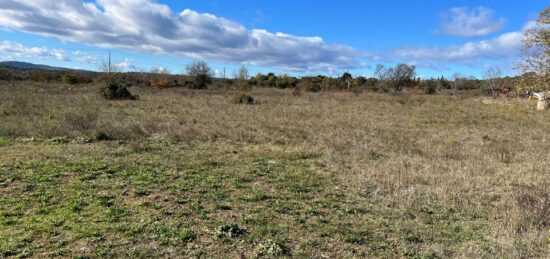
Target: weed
(272, 248)
(4, 142)
(227, 230)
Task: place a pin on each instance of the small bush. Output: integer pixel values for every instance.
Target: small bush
(69, 79)
(101, 136)
(163, 81)
(116, 91)
(308, 86)
(243, 99)
(430, 87)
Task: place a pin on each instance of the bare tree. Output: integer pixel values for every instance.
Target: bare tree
(493, 80)
(242, 74)
(200, 73)
(402, 75)
(536, 62)
(109, 72)
(242, 78)
(379, 72)
(397, 77)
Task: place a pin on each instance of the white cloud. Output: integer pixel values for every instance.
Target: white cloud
(84, 57)
(504, 48)
(18, 50)
(147, 26)
(462, 21)
(126, 64)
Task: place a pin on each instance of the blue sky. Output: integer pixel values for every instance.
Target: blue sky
(297, 37)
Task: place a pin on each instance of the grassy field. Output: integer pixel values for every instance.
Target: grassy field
(182, 173)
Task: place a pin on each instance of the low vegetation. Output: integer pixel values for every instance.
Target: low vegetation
(116, 90)
(185, 173)
(243, 98)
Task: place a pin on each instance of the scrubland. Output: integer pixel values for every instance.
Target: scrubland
(188, 173)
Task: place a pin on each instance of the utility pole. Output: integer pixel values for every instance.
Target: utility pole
(109, 62)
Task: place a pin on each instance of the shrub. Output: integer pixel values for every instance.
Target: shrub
(308, 86)
(101, 136)
(200, 74)
(430, 86)
(69, 79)
(73, 78)
(116, 91)
(243, 99)
(43, 76)
(163, 82)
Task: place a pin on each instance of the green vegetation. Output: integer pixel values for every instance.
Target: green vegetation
(71, 78)
(3, 142)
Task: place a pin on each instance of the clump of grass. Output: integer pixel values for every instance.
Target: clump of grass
(82, 120)
(4, 142)
(296, 92)
(534, 204)
(186, 235)
(272, 248)
(243, 99)
(227, 230)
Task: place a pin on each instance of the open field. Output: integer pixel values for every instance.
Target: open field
(182, 173)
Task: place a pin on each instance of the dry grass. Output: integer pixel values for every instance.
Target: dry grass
(388, 176)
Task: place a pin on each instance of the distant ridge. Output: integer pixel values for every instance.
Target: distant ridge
(25, 65)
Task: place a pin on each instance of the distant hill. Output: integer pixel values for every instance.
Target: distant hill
(25, 65)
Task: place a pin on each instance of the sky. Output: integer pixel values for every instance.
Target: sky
(299, 38)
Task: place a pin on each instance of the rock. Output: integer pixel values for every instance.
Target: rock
(544, 100)
(542, 105)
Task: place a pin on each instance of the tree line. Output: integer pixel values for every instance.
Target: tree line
(199, 75)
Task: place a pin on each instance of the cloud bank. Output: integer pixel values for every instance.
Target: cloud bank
(150, 27)
(18, 50)
(504, 48)
(463, 21)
